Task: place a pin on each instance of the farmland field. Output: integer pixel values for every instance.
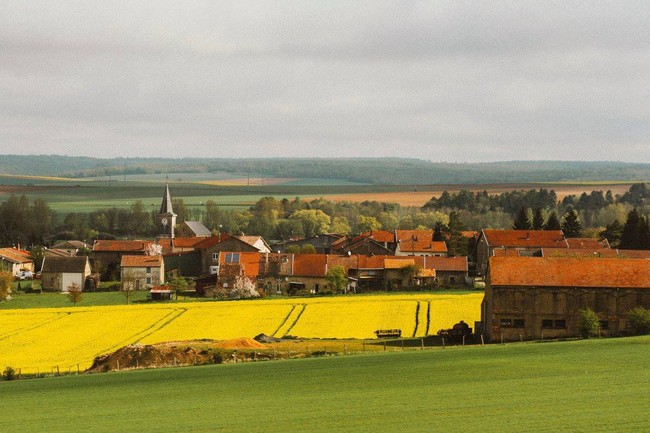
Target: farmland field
(37, 339)
(578, 386)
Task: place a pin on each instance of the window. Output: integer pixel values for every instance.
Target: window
(554, 324)
(148, 269)
(452, 279)
(215, 257)
(148, 280)
(232, 257)
(512, 323)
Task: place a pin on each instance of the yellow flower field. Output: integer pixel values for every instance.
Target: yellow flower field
(42, 339)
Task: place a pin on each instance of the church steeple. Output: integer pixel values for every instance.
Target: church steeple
(166, 217)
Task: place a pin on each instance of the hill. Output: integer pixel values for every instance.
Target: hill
(390, 171)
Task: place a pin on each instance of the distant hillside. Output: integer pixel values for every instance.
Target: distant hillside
(386, 171)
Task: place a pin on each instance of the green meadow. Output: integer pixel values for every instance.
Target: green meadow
(576, 386)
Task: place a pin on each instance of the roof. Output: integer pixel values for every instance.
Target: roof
(449, 264)
(255, 241)
(380, 235)
(579, 252)
(120, 246)
(198, 228)
(408, 235)
(182, 242)
(141, 261)
(397, 263)
(634, 254)
(588, 243)
(525, 238)
(64, 264)
(314, 265)
(70, 244)
(569, 272)
(16, 255)
(58, 253)
(423, 246)
(160, 289)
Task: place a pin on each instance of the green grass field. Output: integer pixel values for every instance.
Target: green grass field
(578, 386)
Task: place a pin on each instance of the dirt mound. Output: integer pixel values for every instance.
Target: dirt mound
(174, 353)
(240, 343)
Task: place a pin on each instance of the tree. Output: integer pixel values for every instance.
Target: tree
(639, 319)
(410, 272)
(437, 232)
(635, 234)
(341, 226)
(588, 323)
(314, 221)
(6, 281)
(308, 249)
(75, 294)
(522, 221)
(553, 222)
(456, 244)
(130, 283)
(243, 288)
(367, 223)
(571, 225)
(613, 233)
(178, 284)
(538, 219)
(337, 277)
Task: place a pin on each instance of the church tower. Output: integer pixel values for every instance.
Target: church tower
(166, 217)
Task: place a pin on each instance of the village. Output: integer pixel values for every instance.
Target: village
(536, 282)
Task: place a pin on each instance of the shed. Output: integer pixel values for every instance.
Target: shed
(59, 273)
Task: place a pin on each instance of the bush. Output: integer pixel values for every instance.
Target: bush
(588, 323)
(639, 319)
(9, 374)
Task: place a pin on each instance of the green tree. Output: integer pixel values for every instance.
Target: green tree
(456, 243)
(588, 323)
(410, 272)
(613, 233)
(307, 249)
(178, 284)
(367, 223)
(337, 277)
(571, 225)
(522, 221)
(639, 319)
(538, 219)
(140, 222)
(553, 222)
(635, 234)
(314, 221)
(340, 225)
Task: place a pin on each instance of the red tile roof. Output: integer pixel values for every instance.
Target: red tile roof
(408, 235)
(450, 264)
(525, 238)
(141, 261)
(15, 255)
(634, 254)
(379, 235)
(569, 272)
(578, 252)
(120, 246)
(423, 246)
(211, 241)
(588, 243)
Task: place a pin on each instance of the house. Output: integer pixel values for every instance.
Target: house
(540, 297)
(190, 229)
(59, 273)
(418, 243)
(519, 242)
(450, 271)
(210, 249)
(257, 242)
(71, 247)
(362, 245)
(15, 260)
(107, 255)
(143, 272)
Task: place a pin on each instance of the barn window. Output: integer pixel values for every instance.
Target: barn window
(215, 257)
(560, 324)
(547, 323)
(232, 257)
(452, 279)
(518, 323)
(506, 323)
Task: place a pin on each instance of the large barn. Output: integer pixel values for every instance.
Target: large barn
(540, 297)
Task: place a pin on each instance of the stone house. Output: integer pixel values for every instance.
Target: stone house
(143, 272)
(59, 273)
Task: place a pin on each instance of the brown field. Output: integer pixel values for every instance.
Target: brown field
(256, 181)
(424, 193)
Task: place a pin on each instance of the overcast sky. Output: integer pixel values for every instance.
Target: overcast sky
(437, 80)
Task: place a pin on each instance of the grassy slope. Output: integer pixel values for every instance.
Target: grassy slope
(598, 385)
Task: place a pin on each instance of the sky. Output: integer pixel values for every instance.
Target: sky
(451, 81)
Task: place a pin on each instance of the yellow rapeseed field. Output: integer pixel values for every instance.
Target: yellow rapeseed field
(43, 339)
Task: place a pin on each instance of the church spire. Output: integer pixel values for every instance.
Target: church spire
(166, 217)
(166, 205)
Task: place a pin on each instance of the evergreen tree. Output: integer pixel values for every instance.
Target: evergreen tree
(612, 233)
(553, 222)
(636, 233)
(522, 221)
(538, 220)
(571, 225)
(437, 232)
(456, 244)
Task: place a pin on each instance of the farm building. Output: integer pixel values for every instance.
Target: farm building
(540, 297)
(418, 243)
(107, 254)
(15, 260)
(142, 271)
(59, 273)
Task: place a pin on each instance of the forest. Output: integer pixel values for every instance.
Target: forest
(598, 214)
